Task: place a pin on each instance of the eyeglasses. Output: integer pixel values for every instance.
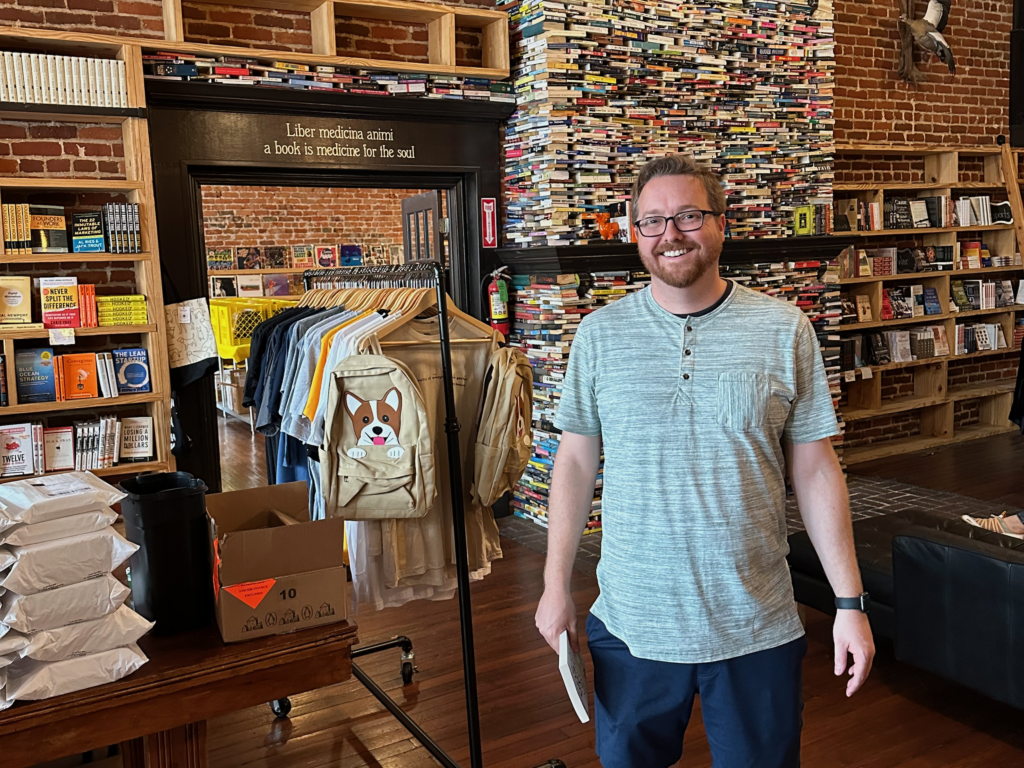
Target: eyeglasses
(685, 221)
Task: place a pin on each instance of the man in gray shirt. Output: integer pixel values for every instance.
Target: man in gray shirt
(702, 392)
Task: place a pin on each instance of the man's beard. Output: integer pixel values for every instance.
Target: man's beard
(683, 271)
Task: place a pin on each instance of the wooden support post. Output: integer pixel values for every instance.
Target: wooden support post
(325, 39)
(1013, 192)
(441, 40)
(174, 27)
(183, 747)
(495, 46)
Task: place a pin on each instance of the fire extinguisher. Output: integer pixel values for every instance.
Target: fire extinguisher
(497, 298)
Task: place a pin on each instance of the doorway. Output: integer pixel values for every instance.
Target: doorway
(258, 240)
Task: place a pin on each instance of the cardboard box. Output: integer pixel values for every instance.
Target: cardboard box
(274, 573)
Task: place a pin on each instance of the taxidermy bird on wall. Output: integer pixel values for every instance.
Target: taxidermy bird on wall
(925, 33)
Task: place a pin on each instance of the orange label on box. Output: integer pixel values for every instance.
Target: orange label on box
(253, 592)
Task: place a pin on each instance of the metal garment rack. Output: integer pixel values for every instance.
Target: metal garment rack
(425, 274)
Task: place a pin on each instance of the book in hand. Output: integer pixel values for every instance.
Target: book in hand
(574, 675)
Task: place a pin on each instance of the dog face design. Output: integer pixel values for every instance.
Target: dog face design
(376, 422)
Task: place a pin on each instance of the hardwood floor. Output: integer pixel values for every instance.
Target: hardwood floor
(902, 717)
(991, 469)
(242, 457)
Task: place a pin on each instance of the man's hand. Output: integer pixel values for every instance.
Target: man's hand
(556, 613)
(852, 634)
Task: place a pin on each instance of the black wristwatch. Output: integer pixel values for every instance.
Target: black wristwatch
(859, 603)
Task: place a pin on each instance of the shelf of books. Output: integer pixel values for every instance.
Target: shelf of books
(84, 382)
(943, 292)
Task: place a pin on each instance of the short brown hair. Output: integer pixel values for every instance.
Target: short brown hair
(680, 165)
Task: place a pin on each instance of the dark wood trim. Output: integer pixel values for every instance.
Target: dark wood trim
(170, 94)
(610, 256)
(69, 109)
(208, 134)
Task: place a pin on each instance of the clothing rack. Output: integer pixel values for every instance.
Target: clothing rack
(425, 274)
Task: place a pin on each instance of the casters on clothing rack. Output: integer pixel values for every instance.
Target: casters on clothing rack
(553, 764)
(281, 707)
(408, 665)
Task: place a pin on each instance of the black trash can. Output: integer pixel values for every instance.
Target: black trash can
(171, 580)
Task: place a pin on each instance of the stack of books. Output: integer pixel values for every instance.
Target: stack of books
(979, 337)
(608, 287)
(41, 78)
(43, 377)
(273, 73)
(548, 310)
(32, 449)
(121, 310)
(602, 86)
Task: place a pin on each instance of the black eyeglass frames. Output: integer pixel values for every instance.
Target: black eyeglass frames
(685, 221)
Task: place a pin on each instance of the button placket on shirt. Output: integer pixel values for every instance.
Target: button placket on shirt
(686, 357)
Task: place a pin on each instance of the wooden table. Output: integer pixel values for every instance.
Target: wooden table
(159, 714)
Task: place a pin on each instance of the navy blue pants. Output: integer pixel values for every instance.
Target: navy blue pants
(752, 705)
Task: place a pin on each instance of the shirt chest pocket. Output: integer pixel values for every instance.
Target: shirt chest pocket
(744, 400)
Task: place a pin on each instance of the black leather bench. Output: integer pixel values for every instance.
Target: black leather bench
(949, 595)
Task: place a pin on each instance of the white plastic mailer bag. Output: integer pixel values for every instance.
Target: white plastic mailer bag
(4, 704)
(55, 564)
(38, 499)
(7, 558)
(123, 627)
(24, 534)
(29, 680)
(12, 643)
(92, 599)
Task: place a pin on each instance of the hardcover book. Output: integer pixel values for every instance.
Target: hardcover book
(131, 368)
(59, 299)
(35, 377)
(136, 438)
(15, 301)
(59, 448)
(48, 228)
(87, 232)
(16, 450)
(80, 379)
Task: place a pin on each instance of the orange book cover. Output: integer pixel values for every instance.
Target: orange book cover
(80, 381)
(59, 371)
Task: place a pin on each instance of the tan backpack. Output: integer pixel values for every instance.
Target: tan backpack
(377, 458)
(504, 440)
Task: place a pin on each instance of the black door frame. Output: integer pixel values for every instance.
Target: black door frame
(213, 134)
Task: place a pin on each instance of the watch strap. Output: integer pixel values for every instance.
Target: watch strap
(858, 603)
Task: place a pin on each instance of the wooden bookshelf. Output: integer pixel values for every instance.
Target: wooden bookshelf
(894, 233)
(9, 332)
(136, 187)
(932, 398)
(121, 470)
(441, 22)
(77, 405)
(67, 258)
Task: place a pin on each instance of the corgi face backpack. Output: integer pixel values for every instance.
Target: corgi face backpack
(376, 460)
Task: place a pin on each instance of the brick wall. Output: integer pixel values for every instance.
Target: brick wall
(61, 149)
(872, 103)
(260, 216)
